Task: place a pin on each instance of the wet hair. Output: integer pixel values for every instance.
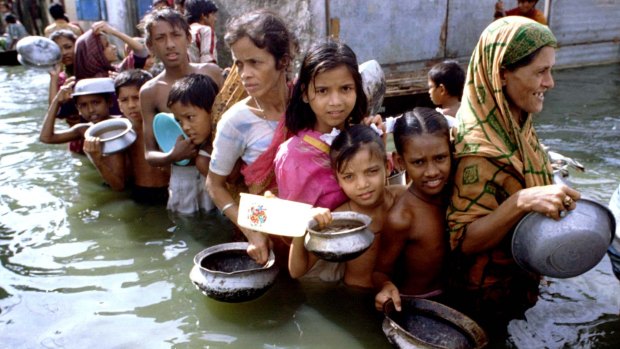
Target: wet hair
(267, 31)
(57, 11)
(195, 89)
(131, 77)
(194, 9)
(64, 33)
(350, 141)
(419, 121)
(168, 15)
(10, 18)
(450, 75)
(321, 58)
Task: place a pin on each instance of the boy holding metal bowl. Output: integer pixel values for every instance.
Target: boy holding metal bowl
(93, 99)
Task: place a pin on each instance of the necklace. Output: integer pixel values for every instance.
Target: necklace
(263, 115)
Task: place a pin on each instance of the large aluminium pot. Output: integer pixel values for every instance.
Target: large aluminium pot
(425, 324)
(226, 273)
(564, 248)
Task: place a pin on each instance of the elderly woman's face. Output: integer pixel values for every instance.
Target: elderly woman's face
(526, 86)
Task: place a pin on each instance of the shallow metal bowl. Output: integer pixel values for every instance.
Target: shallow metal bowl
(564, 248)
(399, 178)
(426, 324)
(115, 134)
(38, 52)
(226, 273)
(341, 245)
(92, 86)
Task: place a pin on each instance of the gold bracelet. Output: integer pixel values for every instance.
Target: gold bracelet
(227, 206)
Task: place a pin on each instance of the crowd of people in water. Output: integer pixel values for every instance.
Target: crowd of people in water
(474, 165)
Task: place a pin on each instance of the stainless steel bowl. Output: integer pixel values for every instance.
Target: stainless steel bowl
(226, 273)
(399, 178)
(116, 134)
(564, 248)
(337, 243)
(38, 52)
(426, 324)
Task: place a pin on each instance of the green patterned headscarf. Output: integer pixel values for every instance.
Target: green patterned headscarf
(486, 127)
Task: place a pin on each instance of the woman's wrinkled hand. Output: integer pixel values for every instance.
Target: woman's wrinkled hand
(550, 200)
(259, 245)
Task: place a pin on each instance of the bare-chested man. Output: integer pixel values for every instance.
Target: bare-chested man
(167, 37)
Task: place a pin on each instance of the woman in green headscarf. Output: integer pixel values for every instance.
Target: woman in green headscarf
(502, 171)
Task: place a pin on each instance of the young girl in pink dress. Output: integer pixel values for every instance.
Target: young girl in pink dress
(328, 95)
(359, 159)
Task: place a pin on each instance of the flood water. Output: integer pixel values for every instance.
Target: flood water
(84, 267)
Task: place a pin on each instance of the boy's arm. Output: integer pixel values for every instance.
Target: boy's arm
(48, 135)
(391, 244)
(110, 167)
(183, 148)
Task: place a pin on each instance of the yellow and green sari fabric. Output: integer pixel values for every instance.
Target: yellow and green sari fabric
(497, 153)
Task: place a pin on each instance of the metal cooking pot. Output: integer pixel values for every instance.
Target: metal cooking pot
(614, 249)
(564, 248)
(38, 52)
(115, 134)
(226, 273)
(374, 85)
(425, 324)
(342, 245)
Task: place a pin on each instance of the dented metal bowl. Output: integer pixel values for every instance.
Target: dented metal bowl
(226, 273)
(38, 52)
(565, 248)
(345, 239)
(426, 324)
(115, 134)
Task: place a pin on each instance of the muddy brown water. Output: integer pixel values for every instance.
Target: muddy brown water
(84, 267)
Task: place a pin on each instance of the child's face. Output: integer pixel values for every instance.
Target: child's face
(93, 108)
(363, 177)
(195, 121)
(212, 19)
(66, 49)
(526, 6)
(427, 160)
(332, 97)
(434, 92)
(129, 102)
(169, 44)
(109, 50)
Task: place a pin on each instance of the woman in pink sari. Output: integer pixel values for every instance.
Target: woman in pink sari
(250, 132)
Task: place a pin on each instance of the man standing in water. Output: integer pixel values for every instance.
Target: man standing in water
(168, 37)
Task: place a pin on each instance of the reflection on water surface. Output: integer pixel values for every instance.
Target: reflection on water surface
(83, 267)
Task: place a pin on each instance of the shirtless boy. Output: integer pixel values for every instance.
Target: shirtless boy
(168, 37)
(150, 183)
